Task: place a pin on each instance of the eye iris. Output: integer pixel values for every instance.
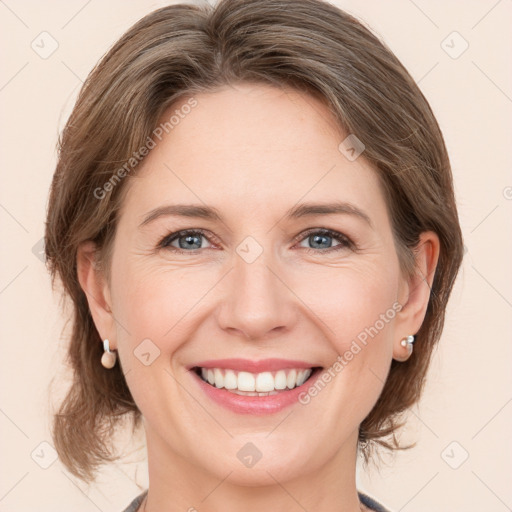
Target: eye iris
(317, 239)
(190, 241)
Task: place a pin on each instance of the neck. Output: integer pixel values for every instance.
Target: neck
(177, 483)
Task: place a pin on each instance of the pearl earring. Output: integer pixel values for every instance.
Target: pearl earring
(108, 359)
(408, 342)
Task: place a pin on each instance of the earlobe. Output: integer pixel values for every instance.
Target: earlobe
(94, 284)
(417, 296)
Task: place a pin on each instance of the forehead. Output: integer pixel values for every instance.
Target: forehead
(250, 146)
(248, 118)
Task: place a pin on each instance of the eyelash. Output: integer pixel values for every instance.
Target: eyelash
(340, 237)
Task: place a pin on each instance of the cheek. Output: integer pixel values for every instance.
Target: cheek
(359, 307)
(151, 309)
(150, 306)
(156, 302)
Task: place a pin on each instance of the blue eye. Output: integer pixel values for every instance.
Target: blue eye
(187, 239)
(320, 237)
(190, 241)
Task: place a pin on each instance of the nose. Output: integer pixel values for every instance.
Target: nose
(257, 303)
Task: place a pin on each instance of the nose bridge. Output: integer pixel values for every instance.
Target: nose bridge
(257, 301)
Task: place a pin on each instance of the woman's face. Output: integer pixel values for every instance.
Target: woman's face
(259, 283)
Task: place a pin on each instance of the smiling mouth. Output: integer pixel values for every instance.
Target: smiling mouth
(255, 384)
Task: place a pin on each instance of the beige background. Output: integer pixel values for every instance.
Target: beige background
(468, 399)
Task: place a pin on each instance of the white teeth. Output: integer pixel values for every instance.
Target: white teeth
(260, 384)
(219, 378)
(264, 382)
(280, 380)
(246, 381)
(230, 380)
(291, 379)
(250, 393)
(301, 377)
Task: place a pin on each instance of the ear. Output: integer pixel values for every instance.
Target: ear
(415, 293)
(95, 286)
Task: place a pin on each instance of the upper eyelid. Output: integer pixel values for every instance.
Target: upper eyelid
(330, 232)
(182, 232)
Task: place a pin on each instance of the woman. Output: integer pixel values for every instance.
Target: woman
(253, 215)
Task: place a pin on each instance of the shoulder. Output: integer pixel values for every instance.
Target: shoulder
(372, 503)
(135, 504)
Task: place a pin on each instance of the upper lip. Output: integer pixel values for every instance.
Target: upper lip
(247, 365)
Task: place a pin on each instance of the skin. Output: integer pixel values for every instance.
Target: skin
(253, 151)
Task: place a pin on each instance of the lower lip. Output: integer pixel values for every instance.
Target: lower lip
(257, 405)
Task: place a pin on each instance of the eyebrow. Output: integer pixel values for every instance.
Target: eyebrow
(296, 212)
(182, 210)
(311, 209)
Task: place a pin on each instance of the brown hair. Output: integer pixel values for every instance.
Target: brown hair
(180, 50)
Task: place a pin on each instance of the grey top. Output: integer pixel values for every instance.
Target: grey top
(365, 500)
